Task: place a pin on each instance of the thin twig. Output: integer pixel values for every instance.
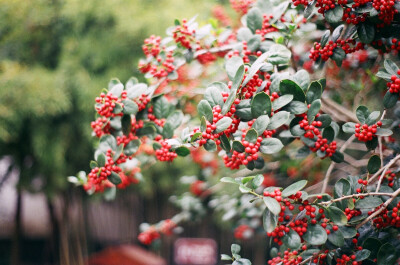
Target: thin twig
(388, 165)
(357, 195)
(376, 213)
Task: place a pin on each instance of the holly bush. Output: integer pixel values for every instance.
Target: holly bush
(277, 95)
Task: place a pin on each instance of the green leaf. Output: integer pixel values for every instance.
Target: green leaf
(235, 85)
(348, 232)
(270, 221)
(258, 180)
(260, 124)
(195, 136)
(130, 107)
(390, 99)
(387, 255)
(383, 132)
(168, 130)
(373, 117)
(368, 202)
(336, 238)
(204, 109)
(136, 90)
(107, 142)
(261, 105)
(278, 54)
(334, 15)
(325, 119)
(225, 257)
(315, 235)
(366, 32)
(251, 136)
(391, 67)
(328, 133)
(292, 240)
(349, 127)
(243, 110)
(373, 245)
(362, 254)
(384, 75)
(210, 146)
(371, 145)
(362, 113)
(235, 249)
(114, 178)
(294, 188)
(272, 205)
(278, 119)
(203, 124)
(296, 107)
(338, 55)
(255, 67)
(337, 157)
(93, 164)
(308, 11)
(230, 180)
(254, 19)
(238, 146)
(302, 78)
(132, 147)
(232, 66)
(161, 108)
(270, 146)
(126, 124)
(182, 151)
(223, 124)
(281, 101)
(225, 144)
(314, 92)
(374, 164)
(290, 87)
(337, 32)
(175, 119)
(101, 160)
(336, 215)
(313, 110)
(254, 43)
(342, 188)
(115, 87)
(214, 97)
(244, 189)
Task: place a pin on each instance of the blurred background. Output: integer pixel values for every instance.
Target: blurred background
(55, 57)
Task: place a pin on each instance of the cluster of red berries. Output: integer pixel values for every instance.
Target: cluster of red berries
(167, 226)
(209, 133)
(197, 187)
(325, 5)
(128, 178)
(394, 84)
(151, 46)
(101, 126)
(183, 36)
(365, 133)
(243, 232)
(395, 45)
(241, 6)
(107, 102)
(388, 218)
(164, 153)
(97, 178)
(322, 145)
(206, 58)
(153, 118)
(351, 17)
(386, 10)
(347, 260)
(350, 213)
(159, 69)
(289, 258)
(390, 176)
(251, 87)
(266, 27)
(324, 52)
(236, 159)
(142, 101)
(147, 237)
(311, 130)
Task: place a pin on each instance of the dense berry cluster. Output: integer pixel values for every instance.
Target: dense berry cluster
(148, 236)
(311, 129)
(289, 258)
(98, 176)
(101, 126)
(164, 153)
(322, 145)
(241, 6)
(365, 133)
(388, 218)
(106, 104)
(243, 232)
(326, 52)
(183, 36)
(394, 84)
